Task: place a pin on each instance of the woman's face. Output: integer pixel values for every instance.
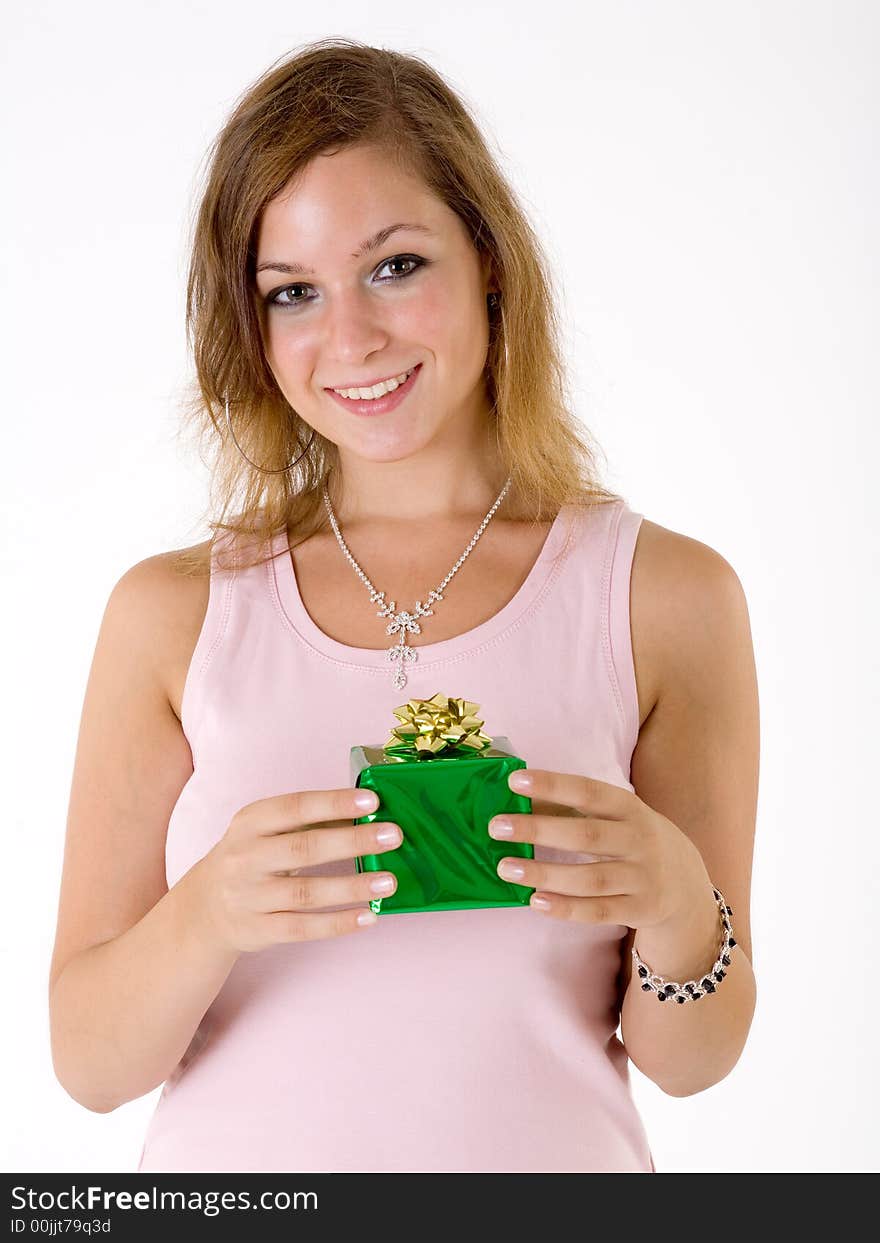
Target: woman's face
(334, 317)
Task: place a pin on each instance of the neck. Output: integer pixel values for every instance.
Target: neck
(443, 482)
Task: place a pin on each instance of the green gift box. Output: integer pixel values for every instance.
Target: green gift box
(442, 779)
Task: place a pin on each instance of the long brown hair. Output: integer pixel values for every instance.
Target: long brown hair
(328, 95)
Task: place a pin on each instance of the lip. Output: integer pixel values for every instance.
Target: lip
(372, 383)
(381, 405)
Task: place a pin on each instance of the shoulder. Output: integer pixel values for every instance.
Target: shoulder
(665, 558)
(159, 588)
(684, 598)
(164, 609)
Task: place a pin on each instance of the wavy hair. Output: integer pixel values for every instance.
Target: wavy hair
(329, 95)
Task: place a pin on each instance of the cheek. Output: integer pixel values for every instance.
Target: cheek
(288, 352)
(421, 319)
(447, 321)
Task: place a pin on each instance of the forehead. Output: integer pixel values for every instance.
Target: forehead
(337, 200)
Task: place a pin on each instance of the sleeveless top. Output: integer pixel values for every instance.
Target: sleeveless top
(445, 1041)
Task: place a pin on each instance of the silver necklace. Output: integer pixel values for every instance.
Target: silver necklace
(404, 622)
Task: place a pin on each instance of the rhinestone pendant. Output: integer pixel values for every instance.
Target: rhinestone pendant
(403, 623)
(400, 653)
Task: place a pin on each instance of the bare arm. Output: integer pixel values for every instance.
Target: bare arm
(133, 968)
(696, 762)
(124, 1012)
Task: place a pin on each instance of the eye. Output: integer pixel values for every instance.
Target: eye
(274, 298)
(414, 259)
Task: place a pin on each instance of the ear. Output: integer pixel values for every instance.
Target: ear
(486, 269)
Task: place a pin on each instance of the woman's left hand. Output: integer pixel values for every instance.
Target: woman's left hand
(652, 874)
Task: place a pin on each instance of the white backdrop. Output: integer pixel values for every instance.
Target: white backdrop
(705, 178)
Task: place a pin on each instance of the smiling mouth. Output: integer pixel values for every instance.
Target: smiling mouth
(391, 397)
(373, 392)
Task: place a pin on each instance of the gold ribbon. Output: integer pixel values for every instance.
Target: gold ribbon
(436, 726)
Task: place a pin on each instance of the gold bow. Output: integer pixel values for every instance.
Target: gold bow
(440, 724)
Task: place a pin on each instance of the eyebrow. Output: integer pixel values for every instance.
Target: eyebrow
(371, 243)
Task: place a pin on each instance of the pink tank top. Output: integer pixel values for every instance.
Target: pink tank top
(497, 1026)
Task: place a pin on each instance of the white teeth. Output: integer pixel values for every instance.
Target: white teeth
(378, 390)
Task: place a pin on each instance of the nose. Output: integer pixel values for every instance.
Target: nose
(354, 328)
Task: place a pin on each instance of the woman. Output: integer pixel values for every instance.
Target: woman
(377, 367)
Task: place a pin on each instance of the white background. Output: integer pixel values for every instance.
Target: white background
(705, 179)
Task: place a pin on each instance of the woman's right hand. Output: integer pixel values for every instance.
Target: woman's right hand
(248, 890)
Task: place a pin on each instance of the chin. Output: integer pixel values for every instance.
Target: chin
(393, 446)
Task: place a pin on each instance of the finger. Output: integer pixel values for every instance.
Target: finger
(605, 879)
(306, 893)
(617, 909)
(305, 848)
(583, 834)
(309, 807)
(282, 926)
(586, 795)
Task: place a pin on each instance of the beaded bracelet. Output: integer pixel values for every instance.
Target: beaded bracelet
(692, 990)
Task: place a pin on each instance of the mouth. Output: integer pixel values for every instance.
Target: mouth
(389, 394)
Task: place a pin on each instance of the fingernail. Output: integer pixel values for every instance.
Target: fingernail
(366, 800)
(382, 884)
(510, 870)
(390, 835)
(501, 826)
(520, 780)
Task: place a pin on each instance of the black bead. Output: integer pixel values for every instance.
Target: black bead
(681, 1000)
(688, 988)
(729, 911)
(661, 996)
(643, 971)
(670, 989)
(646, 988)
(709, 986)
(732, 942)
(719, 974)
(726, 960)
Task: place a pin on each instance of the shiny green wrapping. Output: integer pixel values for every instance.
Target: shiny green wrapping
(447, 861)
